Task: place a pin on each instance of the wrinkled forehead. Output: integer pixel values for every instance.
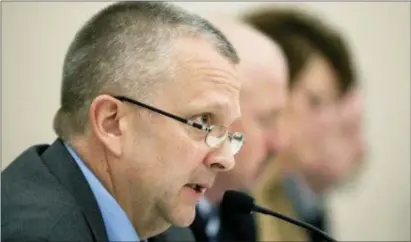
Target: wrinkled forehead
(205, 79)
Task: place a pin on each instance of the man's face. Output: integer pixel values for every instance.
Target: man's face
(262, 100)
(163, 159)
(311, 120)
(325, 128)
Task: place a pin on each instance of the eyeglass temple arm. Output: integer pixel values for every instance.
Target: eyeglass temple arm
(180, 119)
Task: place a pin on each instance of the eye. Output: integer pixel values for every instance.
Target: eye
(203, 119)
(314, 101)
(263, 122)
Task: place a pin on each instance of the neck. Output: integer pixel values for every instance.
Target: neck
(94, 158)
(144, 218)
(150, 227)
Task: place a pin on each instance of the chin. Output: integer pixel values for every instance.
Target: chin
(182, 216)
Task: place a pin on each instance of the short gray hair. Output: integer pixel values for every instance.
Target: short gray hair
(125, 47)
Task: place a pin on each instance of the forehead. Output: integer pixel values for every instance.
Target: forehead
(319, 77)
(204, 79)
(265, 78)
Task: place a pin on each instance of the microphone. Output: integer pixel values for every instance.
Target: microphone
(239, 202)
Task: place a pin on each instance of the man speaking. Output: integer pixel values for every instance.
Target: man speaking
(148, 95)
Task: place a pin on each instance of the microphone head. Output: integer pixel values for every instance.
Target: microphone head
(237, 202)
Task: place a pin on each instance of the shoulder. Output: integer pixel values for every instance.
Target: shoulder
(55, 223)
(28, 186)
(34, 204)
(174, 234)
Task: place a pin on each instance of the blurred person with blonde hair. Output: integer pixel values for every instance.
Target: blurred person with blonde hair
(320, 132)
(263, 72)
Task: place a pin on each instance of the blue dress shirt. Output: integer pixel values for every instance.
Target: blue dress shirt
(209, 212)
(118, 226)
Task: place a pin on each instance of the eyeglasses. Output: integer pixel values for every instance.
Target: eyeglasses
(215, 134)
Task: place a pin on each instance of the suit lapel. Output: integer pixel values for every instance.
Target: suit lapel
(62, 165)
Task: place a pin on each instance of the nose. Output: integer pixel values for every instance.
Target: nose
(221, 159)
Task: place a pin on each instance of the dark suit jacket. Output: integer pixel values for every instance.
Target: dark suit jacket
(233, 227)
(45, 197)
(174, 234)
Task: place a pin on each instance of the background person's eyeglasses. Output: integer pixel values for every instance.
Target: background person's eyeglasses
(215, 134)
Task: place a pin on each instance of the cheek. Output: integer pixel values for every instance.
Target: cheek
(150, 155)
(300, 106)
(179, 157)
(167, 157)
(253, 151)
(184, 156)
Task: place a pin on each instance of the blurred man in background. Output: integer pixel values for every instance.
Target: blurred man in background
(263, 71)
(320, 132)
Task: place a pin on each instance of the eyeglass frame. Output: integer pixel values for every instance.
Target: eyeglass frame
(207, 128)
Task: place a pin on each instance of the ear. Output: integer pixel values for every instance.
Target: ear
(104, 118)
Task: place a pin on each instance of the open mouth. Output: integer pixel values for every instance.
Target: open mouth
(197, 187)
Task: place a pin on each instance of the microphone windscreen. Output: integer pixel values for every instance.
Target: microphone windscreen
(237, 202)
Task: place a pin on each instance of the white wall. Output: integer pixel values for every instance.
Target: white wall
(35, 37)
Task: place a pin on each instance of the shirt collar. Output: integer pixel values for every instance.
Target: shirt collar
(118, 226)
